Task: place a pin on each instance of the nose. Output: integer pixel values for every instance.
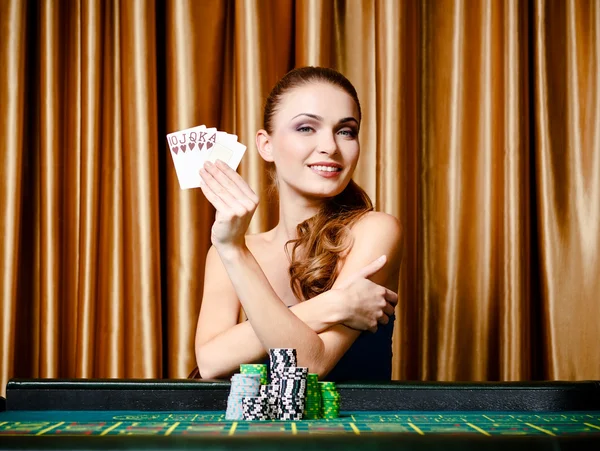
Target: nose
(327, 143)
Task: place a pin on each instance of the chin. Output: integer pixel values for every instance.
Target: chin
(319, 190)
(326, 192)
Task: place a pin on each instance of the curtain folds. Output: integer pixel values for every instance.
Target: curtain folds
(567, 174)
(13, 23)
(480, 133)
(474, 167)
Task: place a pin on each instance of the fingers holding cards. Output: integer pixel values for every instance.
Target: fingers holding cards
(233, 209)
(232, 190)
(208, 185)
(217, 183)
(192, 147)
(239, 182)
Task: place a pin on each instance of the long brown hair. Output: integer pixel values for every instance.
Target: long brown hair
(324, 239)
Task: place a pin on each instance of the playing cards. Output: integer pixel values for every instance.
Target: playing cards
(192, 147)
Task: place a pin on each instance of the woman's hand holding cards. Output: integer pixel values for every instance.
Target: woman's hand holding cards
(234, 201)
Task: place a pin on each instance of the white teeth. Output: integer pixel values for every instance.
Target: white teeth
(326, 168)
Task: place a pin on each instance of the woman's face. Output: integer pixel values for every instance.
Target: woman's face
(315, 140)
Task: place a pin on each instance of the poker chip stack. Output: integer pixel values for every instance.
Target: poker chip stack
(255, 408)
(242, 386)
(280, 358)
(259, 368)
(292, 393)
(289, 381)
(271, 394)
(312, 409)
(330, 400)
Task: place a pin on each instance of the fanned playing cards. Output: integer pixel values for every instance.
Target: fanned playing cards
(192, 147)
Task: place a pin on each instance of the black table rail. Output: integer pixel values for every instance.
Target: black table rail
(211, 395)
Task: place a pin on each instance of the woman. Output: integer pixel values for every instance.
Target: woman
(322, 281)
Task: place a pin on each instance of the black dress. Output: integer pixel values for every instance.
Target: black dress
(368, 359)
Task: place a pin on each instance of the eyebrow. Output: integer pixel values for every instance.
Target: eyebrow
(319, 118)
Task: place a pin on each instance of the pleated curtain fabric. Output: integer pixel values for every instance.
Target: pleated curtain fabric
(480, 132)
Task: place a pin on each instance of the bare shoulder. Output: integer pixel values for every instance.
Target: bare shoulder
(377, 226)
(379, 218)
(376, 234)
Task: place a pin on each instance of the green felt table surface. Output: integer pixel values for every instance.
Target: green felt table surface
(103, 423)
(182, 415)
(370, 429)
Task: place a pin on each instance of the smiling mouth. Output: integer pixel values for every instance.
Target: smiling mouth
(320, 168)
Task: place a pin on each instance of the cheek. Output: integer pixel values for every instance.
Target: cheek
(352, 152)
(289, 149)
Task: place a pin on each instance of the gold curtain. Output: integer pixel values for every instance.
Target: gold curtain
(480, 133)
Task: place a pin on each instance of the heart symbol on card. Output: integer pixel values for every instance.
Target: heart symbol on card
(175, 149)
(191, 145)
(200, 146)
(209, 145)
(182, 148)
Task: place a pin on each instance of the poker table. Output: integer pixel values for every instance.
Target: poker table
(190, 414)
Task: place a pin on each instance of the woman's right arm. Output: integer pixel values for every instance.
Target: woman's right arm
(221, 343)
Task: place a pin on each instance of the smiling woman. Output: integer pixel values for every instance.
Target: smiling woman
(323, 280)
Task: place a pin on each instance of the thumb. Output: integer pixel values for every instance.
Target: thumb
(373, 267)
(365, 272)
